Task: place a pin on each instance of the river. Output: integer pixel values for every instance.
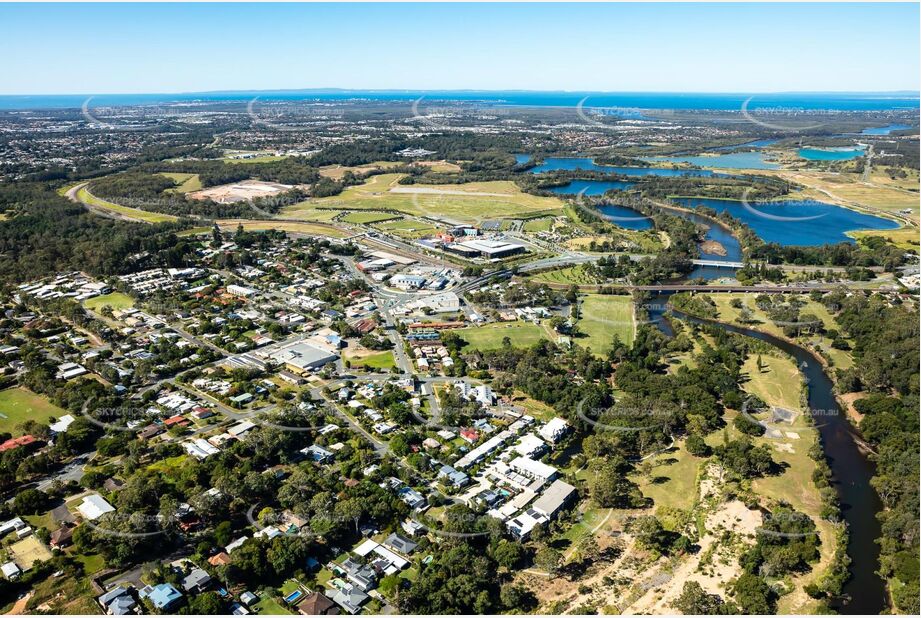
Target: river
(865, 591)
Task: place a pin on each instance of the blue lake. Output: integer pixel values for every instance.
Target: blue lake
(884, 130)
(758, 143)
(552, 164)
(830, 154)
(626, 217)
(829, 224)
(752, 160)
(522, 158)
(591, 187)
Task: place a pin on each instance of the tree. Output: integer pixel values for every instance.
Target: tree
(205, 604)
(548, 559)
(753, 595)
(696, 601)
(508, 553)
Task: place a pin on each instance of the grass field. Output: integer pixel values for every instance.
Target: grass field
(268, 606)
(780, 385)
(544, 224)
(845, 188)
(295, 227)
(338, 171)
(490, 336)
(601, 317)
(903, 237)
(470, 202)
(135, 213)
(727, 313)
(777, 383)
(368, 217)
(408, 228)
(377, 360)
(672, 480)
(184, 182)
(116, 300)
(259, 159)
(19, 404)
(566, 276)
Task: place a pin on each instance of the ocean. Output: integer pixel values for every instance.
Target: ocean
(619, 103)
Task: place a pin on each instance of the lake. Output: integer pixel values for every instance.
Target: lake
(830, 154)
(592, 187)
(552, 164)
(884, 130)
(828, 227)
(758, 143)
(625, 217)
(752, 160)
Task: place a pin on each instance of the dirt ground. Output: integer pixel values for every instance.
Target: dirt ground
(240, 191)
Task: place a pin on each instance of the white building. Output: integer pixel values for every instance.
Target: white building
(554, 430)
(94, 506)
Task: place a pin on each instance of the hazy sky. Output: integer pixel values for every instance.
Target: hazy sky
(133, 48)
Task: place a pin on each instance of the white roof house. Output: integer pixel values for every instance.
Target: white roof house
(554, 430)
(533, 469)
(94, 506)
(61, 425)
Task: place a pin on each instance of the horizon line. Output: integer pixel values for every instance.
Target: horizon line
(465, 90)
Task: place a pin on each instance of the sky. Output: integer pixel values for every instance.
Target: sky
(168, 48)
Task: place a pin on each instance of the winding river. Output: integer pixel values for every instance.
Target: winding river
(865, 591)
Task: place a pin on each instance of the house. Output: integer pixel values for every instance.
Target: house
(290, 377)
(532, 469)
(249, 598)
(554, 430)
(240, 430)
(61, 425)
(521, 525)
(162, 596)
(317, 454)
(317, 604)
(220, 559)
(176, 421)
(117, 602)
(196, 581)
(400, 543)
(361, 575)
(411, 497)
(150, 431)
(468, 434)
(452, 478)
(554, 499)
(94, 506)
(15, 443)
(530, 446)
(242, 399)
(350, 600)
(235, 544)
(11, 571)
(61, 538)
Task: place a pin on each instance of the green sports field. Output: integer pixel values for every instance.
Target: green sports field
(367, 217)
(18, 405)
(490, 336)
(379, 360)
(116, 300)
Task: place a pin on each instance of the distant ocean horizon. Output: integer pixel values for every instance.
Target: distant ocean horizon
(842, 101)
